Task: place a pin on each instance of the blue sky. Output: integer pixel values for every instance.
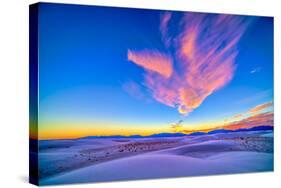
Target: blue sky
(83, 67)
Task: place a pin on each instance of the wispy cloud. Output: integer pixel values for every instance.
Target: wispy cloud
(260, 108)
(260, 115)
(177, 127)
(153, 61)
(237, 116)
(252, 121)
(165, 18)
(255, 70)
(200, 60)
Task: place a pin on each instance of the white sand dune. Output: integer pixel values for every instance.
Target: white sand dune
(189, 156)
(204, 148)
(166, 165)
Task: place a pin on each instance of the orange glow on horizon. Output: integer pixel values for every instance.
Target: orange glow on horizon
(79, 131)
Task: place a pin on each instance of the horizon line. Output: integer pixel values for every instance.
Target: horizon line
(180, 132)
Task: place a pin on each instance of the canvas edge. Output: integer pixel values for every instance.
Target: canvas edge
(33, 94)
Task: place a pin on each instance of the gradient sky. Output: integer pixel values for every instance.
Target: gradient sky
(103, 71)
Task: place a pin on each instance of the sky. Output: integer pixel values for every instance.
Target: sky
(120, 71)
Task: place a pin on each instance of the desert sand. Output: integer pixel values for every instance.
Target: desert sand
(97, 160)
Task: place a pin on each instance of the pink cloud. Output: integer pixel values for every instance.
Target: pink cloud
(261, 114)
(152, 60)
(165, 18)
(252, 121)
(204, 59)
(261, 107)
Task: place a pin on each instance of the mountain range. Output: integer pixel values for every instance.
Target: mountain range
(258, 128)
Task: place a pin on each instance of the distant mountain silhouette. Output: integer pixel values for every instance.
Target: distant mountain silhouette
(196, 134)
(221, 131)
(167, 135)
(258, 128)
(139, 136)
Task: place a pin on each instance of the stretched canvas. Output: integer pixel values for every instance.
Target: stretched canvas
(125, 94)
